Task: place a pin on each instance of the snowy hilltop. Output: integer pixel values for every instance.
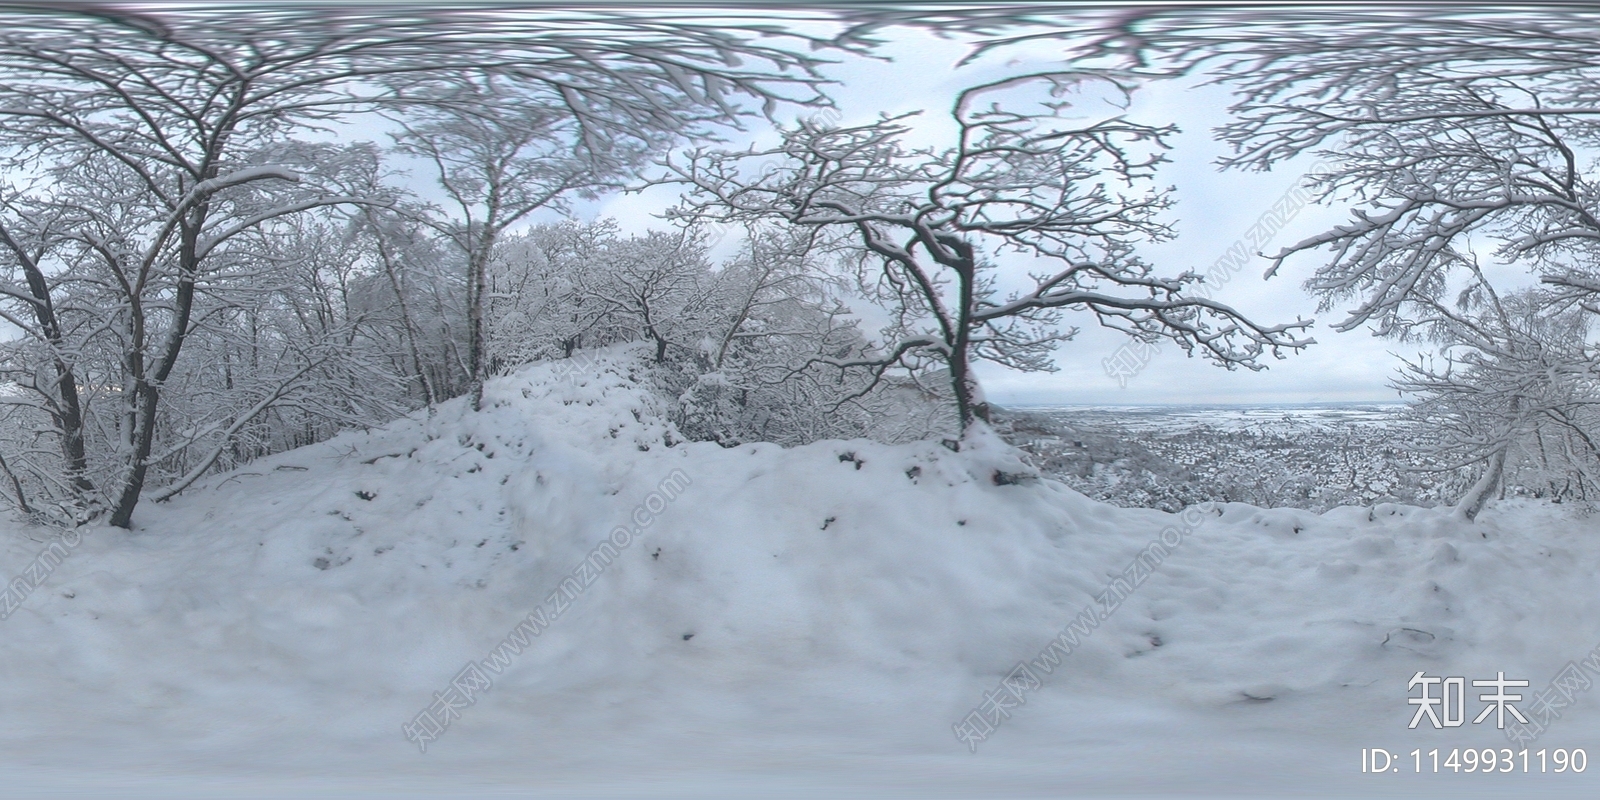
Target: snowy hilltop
(560, 588)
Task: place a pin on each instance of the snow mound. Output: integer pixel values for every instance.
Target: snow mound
(841, 597)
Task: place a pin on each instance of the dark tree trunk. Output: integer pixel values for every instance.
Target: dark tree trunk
(969, 410)
(476, 274)
(143, 437)
(68, 412)
(146, 394)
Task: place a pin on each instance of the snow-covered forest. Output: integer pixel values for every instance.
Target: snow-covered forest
(592, 400)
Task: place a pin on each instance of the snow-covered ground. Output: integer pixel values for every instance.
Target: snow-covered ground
(1282, 418)
(1310, 457)
(808, 622)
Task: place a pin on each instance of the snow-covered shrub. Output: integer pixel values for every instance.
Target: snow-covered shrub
(744, 346)
(1513, 393)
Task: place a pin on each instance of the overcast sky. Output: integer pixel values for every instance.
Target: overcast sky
(1214, 210)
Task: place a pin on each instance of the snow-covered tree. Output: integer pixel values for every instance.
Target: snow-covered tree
(1447, 133)
(1513, 390)
(282, 357)
(145, 147)
(932, 230)
(536, 305)
(1440, 146)
(733, 341)
(498, 158)
(412, 297)
(769, 313)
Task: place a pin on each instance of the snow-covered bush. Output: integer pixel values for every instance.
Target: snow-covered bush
(1514, 393)
(741, 345)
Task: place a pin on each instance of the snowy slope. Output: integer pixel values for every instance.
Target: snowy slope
(780, 622)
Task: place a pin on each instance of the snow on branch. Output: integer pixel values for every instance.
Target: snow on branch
(932, 230)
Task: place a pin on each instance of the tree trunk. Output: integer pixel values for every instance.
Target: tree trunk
(143, 435)
(16, 486)
(408, 328)
(146, 395)
(968, 409)
(71, 422)
(68, 411)
(1485, 488)
(477, 270)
